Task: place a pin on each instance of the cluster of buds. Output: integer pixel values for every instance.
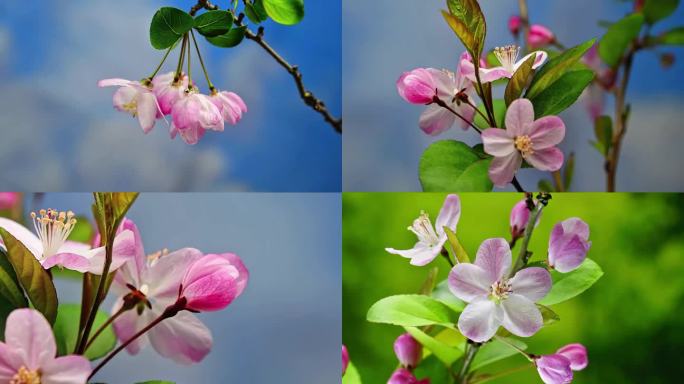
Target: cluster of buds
(538, 36)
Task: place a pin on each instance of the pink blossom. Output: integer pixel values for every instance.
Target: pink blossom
(29, 352)
(494, 299)
(507, 56)
(345, 359)
(568, 245)
(168, 92)
(404, 376)
(430, 241)
(554, 369)
(231, 106)
(520, 215)
(577, 354)
(136, 99)
(192, 115)
(408, 350)
(51, 247)
(524, 138)
(514, 23)
(212, 282)
(593, 96)
(417, 86)
(9, 199)
(540, 36)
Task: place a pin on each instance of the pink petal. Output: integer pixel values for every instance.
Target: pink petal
(568, 253)
(115, 82)
(243, 278)
(130, 272)
(519, 118)
(69, 261)
(421, 253)
(10, 362)
(494, 257)
(444, 82)
(554, 369)
(147, 110)
(166, 274)
(573, 225)
(533, 283)
(124, 250)
(129, 323)
(448, 214)
(24, 235)
(183, 338)
(74, 247)
(547, 132)
(210, 284)
(480, 320)
(487, 75)
(539, 36)
(30, 335)
(577, 354)
(345, 359)
(549, 159)
(469, 282)
(497, 142)
(408, 350)
(70, 369)
(123, 96)
(540, 58)
(417, 86)
(521, 316)
(435, 120)
(502, 169)
(467, 112)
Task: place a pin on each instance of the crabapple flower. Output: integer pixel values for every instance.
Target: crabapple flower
(430, 239)
(408, 350)
(540, 36)
(135, 98)
(417, 86)
(9, 199)
(507, 56)
(212, 282)
(404, 376)
(520, 215)
(231, 106)
(167, 91)
(577, 354)
(345, 359)
(514, 23)
(193, 114)
(523, 139)
(568, 245)
(28, 355)
(558, 368)
(51, 247)
(494, 299)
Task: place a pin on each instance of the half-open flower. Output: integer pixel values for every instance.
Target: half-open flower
(417, 86)
(169, 90)
(524, 138)
(558, 368)
(134, 98)
(193, 114)
(494, 298)
(212, 282)
(231, 106)
(430, 241)
(540, 36)
(568, 244)
(508, 57)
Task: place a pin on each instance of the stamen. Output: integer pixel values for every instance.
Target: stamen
(507, 56)
(524, 145)
(53, 229)
(500, 290)
(24, 376)
(423, 228)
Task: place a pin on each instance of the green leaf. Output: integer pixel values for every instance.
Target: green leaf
(287, 12)
(672, 37)
(656, 10)
(168, 25)
(519, 81)
(83, 231)
(66, 332)
(446, 353)
(255, 11)
(31, 276)
(569, 171)
(457, 248)
(555, 68)
(499, 113)
(351, 376)
(434, 369)
(568, 285)
(10, 290)
(603, 129)
(443, 294)
(562, 93)
(494, 351)
(453, 166)
(411, 311)
(214, 23)
(230, 39)
(466, 19)
(429, 283)
(618, 37)
(121, 203)
(548, 314)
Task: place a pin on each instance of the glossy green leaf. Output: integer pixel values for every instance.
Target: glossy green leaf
(66, 332)
(31, 276)
(453, 166)
(520, 79)
(287, 12)
(456, 247)
(168, 25)
(411, 311)
(556, 67)
(466, 20)
(10, 290)
(230, 39)
(445, 353)
(351, 376)
(214, 23)
(494, 351)
(558, 96)
(656, 10)
(672, 37)
(618, 38)
(442, 294)
(255, 11)
(568, 285)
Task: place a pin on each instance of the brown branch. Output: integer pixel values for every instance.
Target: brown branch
(307, 96)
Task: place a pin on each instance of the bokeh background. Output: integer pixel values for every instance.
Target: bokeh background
(382, 141)
(285, 327)
(630, 320)
(61, 133)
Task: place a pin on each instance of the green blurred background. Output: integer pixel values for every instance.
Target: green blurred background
(631, 320)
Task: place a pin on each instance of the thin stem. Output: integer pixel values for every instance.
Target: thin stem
(620, 122)
(467, 101)
(445, 253)
(503, 340)
(471, 350)
(105, 325)
(525, 21)
(160, 64)
(443, 104)
(501, 374)
(523, 255)
(206, 74)
(517, 185)
(181, 58)
(558, 181)
(189, 61)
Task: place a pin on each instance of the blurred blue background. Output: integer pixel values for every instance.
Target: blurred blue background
(60, 132)
(286, 326)
(382, 141)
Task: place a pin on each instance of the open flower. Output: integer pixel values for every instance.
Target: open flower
(28, 355)
(494, 299)
(431, 241)
(540, 36)
(134, 98)
(51, 247)
(167, 91)
(524, 138)
(193, 114)
(558, 368)
(231, 106)
(507, 56)
(569, 244)
(404, 376)
(408, 350)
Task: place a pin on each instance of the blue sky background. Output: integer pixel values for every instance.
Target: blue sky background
(286, 326)
(60, 132)
(382, 141)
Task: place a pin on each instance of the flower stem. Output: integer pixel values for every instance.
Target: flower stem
(443, 104)
(189, 61)
(517, 185)
(181, 59)
(160, 64)
(503, 340)
(206, 74)
(445, 253)
(471, 350)
(105, 325)
(467, 101)
(501, 374)
(525, 21)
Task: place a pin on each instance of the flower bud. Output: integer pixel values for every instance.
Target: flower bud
(514, 25)
(540, 36)
(408, 351)
(212, 282)
(554, 369)
(417, 86)
(577, 354)
(520, 215)
(345, 359)
(404, 376)
(9, 199)
(568, 245)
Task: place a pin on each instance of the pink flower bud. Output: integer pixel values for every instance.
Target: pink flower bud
(577, 354)
(404, 376)
(9, 199)
(520, 215)
(554, 369)
(213, 282)
(417, 86)
(540, 36)
(568, 245)
(514, 24)
(408, 351)
(345, 359)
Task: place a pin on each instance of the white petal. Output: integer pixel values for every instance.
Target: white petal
(521, 316)
(480, 320)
